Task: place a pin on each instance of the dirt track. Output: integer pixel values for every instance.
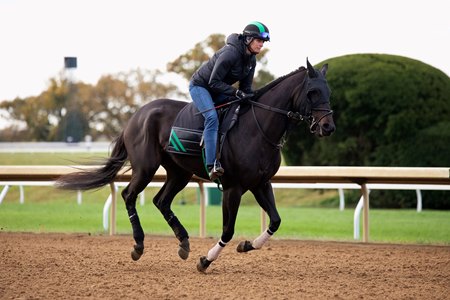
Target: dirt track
(49, 266)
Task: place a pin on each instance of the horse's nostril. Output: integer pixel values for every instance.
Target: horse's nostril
(328, 127)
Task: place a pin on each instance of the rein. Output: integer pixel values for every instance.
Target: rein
(291, 115)
(296, 116)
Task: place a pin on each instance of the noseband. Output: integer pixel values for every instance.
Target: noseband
(294, 116)
(313, 123)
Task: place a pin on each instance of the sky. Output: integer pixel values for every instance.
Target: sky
(112, 36)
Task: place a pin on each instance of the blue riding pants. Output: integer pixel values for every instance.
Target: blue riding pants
(203, 101)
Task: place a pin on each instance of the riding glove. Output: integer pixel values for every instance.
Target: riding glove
(241, 95)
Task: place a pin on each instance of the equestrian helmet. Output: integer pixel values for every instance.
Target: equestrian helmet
(257, 30)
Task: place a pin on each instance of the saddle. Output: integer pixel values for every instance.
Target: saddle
(186, 135)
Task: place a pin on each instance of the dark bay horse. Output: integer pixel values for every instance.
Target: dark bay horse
(251, 156)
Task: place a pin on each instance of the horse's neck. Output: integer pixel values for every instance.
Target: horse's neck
(281, 97)
(275, 124)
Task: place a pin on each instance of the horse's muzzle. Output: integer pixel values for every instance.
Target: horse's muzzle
(326, 129)
(324, 126)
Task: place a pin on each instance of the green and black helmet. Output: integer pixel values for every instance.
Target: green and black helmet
(257, 30)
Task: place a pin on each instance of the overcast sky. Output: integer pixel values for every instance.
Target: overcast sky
(110, 36)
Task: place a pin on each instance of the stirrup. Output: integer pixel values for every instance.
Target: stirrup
(216, 171)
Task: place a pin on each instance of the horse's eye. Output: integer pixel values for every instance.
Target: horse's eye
(314, 94)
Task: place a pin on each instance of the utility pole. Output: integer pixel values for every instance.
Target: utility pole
(70, 66)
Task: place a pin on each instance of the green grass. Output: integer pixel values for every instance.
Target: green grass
(306, 214)
(391, 226)
(59, 158)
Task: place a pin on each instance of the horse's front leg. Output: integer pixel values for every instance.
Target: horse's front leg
(231, 200)
(264, 196)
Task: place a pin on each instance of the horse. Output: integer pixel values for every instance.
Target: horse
(251, 156)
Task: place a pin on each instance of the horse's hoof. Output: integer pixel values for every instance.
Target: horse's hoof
(137, 252)
(184, 249)
(203, 264)
(245, 246)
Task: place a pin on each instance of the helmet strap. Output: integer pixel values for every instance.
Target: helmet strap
(248, 40)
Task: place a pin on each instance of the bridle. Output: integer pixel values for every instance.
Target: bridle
(313, 123)
(295, 116)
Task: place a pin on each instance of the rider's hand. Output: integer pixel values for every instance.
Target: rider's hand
(241, 95)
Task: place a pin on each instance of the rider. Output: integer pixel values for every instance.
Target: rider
(212, 83)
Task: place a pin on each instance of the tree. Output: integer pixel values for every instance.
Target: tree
(117, 97)
(389, 111)
(39, 113)
(186, 64)
(147, 85)
(74, 110)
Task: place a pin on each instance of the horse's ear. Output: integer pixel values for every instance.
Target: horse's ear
(324, 69)
(311, 70)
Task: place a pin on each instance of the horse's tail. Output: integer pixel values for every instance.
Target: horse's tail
(96, 178)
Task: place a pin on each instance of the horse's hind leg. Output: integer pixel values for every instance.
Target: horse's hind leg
(264, 196)
(139, 180)
(177, 179)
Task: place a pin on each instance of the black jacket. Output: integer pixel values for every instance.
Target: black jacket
(227, 66)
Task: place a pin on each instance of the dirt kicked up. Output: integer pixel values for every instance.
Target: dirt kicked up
(78, 266)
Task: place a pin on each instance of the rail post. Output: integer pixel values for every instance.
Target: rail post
(365, 194)
(202, 230)
(112, 222)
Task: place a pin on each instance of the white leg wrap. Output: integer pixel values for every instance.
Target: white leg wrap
(261, 240)
(214, 252)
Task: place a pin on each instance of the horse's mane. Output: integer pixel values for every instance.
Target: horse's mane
(261, 91)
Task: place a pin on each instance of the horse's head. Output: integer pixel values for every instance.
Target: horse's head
(316, 107)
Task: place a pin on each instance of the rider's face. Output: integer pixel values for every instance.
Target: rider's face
(256, 45)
